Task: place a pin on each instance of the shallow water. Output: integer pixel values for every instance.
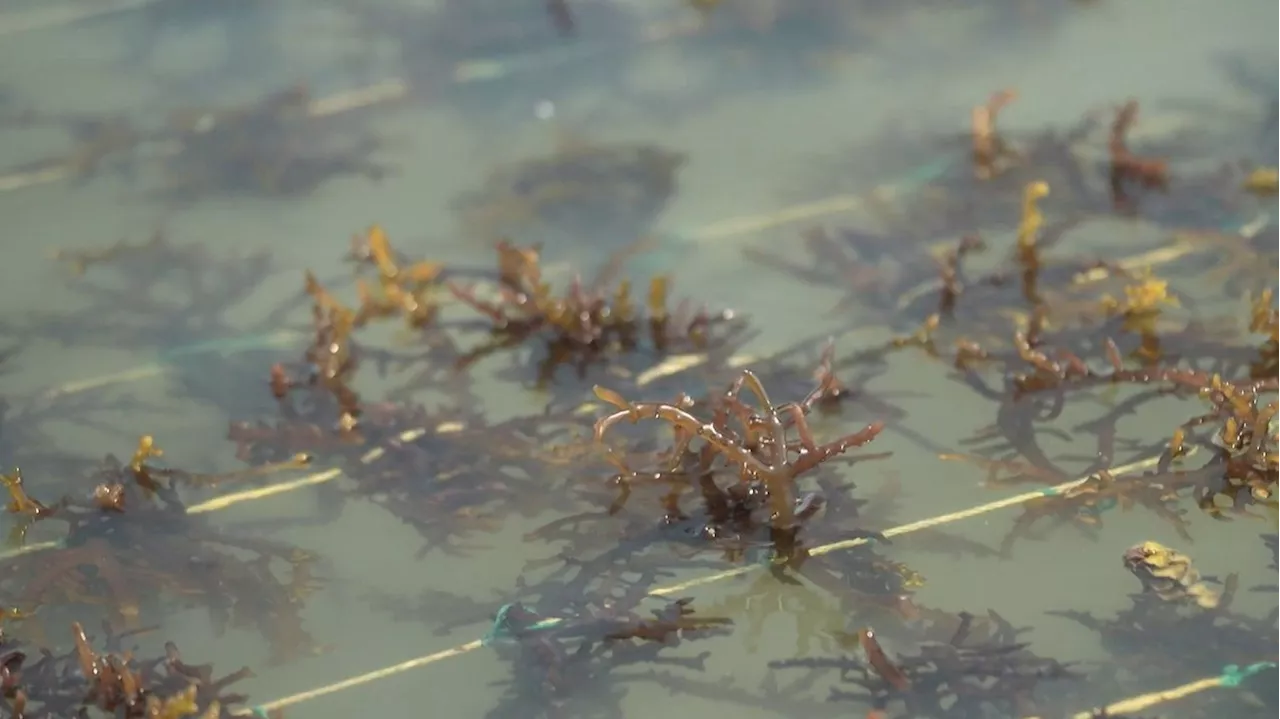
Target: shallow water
(764, 127)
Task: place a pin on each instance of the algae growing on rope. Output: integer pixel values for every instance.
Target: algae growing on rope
(761, 477)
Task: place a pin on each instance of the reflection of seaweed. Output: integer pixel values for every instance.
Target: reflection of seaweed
(584, 192)
(871, 267)
(276, 148)
(26, 431)
(943, 192)
(176, 300)
(1238, 261)
(1251, 123)
(463, 49)
(282, 146)
(443, 471)
(572, 630)
(157, 294)
(966, 677)
(791, 41)
(132, 539)
(577, 656)
(446, 472)
(455, 481)
(98, 143)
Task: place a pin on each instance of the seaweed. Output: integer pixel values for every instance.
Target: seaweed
(584, 325)
(330, 361)
(1239, 471)
(131, 542)
(990, 152)
(959, 183)
(751, 440)
(972, 674)
(1179, 626)
(1128, 168)
(556, 662)
(443, 470)
(111, 682)
(1144, 381)
(401, 290)
(922, 283)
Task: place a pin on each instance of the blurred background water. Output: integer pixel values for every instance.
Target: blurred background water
(757, 121)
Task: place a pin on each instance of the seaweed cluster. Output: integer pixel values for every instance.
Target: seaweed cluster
(110, 682)
(1181, 626)
(131, 541)
(631, 452)
(966, 675)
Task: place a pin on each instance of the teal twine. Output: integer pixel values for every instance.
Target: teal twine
(501, 630)
(501, 627)
(928, 172)
(1233, 675)
(1097, 510)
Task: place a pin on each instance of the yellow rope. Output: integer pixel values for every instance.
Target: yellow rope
(247, 495)
(681, 587)
(373, 676)
(1151, 699)
(915, 526)
(1146, 701)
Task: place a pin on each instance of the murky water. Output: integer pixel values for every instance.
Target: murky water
(788, 121)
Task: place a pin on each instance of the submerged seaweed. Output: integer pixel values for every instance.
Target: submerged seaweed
(1018, 340)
